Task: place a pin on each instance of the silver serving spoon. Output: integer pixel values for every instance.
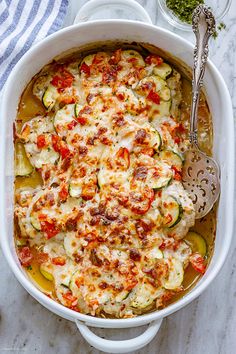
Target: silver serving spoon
(200, 172)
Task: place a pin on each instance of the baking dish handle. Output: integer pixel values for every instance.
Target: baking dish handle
(92, 6)
(120, 346)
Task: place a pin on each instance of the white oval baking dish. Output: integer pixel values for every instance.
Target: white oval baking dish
(220, 105)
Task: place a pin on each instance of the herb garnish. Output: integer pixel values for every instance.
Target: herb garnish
(183, 9)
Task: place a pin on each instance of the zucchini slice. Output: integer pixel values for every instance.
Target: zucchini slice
(155, 140)
(143, 296)
(75, 189)
(160, 182)
(23, 166)
(66, 279)
(159, 177)
(63, 117)
(171, 210)
(132, 56)
(154, 253)
(49, 97)
(172, 158)
(122, 295)
(35, 222)
(196, 242)
(176, 274)
(77, 109)
(160, 85)
(71, 244)
(162, 70)
(45, 271)
(159, 111)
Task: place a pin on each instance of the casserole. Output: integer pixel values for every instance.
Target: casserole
(219, 103)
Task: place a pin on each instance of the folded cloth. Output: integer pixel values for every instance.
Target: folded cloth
(23, 23)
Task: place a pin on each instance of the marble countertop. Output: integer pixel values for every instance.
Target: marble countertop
(206, 325)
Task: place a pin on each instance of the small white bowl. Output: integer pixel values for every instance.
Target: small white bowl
(219, 12)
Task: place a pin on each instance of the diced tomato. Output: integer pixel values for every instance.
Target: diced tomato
(198, 263)
(60, 146)
(123, 158)
(131, 283)
(153, 59)
(41, 141)
(63, 79)
(140, 202)
(25, 256)
(154, 97)
(180, 128)
(120, 96)
(59, 261)
(147, 151)
(177, 140)
(56, 142)
(69, 297)
(49, 227)
(47, 175)
(88, 191)
(64, 151)
(68, 99)
(85, 69)
(41, 257)
(177, 174)
(71, 125)
(116, 57)
(63, 193)
(109, 74)
(168, 218)
(81, 120)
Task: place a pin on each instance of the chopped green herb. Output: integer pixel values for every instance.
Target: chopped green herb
(29, 267)
(183, 9)
(221, 26)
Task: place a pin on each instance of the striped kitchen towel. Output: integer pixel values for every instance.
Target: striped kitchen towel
(23, 23)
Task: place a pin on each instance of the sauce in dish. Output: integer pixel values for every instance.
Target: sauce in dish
(103, 224)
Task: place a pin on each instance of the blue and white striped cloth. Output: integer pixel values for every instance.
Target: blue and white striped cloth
(23, 23)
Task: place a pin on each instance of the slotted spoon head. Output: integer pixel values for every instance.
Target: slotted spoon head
(201, 178)
(200, 172)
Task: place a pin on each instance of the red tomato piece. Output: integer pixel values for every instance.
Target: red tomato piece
(50, 228)
(56, 142)
(71, 125)
(81, 120)
(60, 146)
(140, 202)
(25, 256)
(177, 174)
(153, 59)
(41, 141)
(198, 263)
(63, 193)
(64, 151)
(41, 257)
(85, 69)
(148, 151)
(59, 261)
(154, 97)
(68, 99)
(63, 79)
(123, 158)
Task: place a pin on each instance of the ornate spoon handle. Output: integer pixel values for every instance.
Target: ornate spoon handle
(203, 24)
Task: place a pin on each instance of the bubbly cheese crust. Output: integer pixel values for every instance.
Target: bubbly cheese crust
(112, 211)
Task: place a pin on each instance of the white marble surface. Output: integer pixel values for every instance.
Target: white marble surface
(207, 325)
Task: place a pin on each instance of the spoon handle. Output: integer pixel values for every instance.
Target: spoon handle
(203, 24)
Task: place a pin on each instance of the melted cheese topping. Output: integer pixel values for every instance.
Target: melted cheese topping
(112, 212)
